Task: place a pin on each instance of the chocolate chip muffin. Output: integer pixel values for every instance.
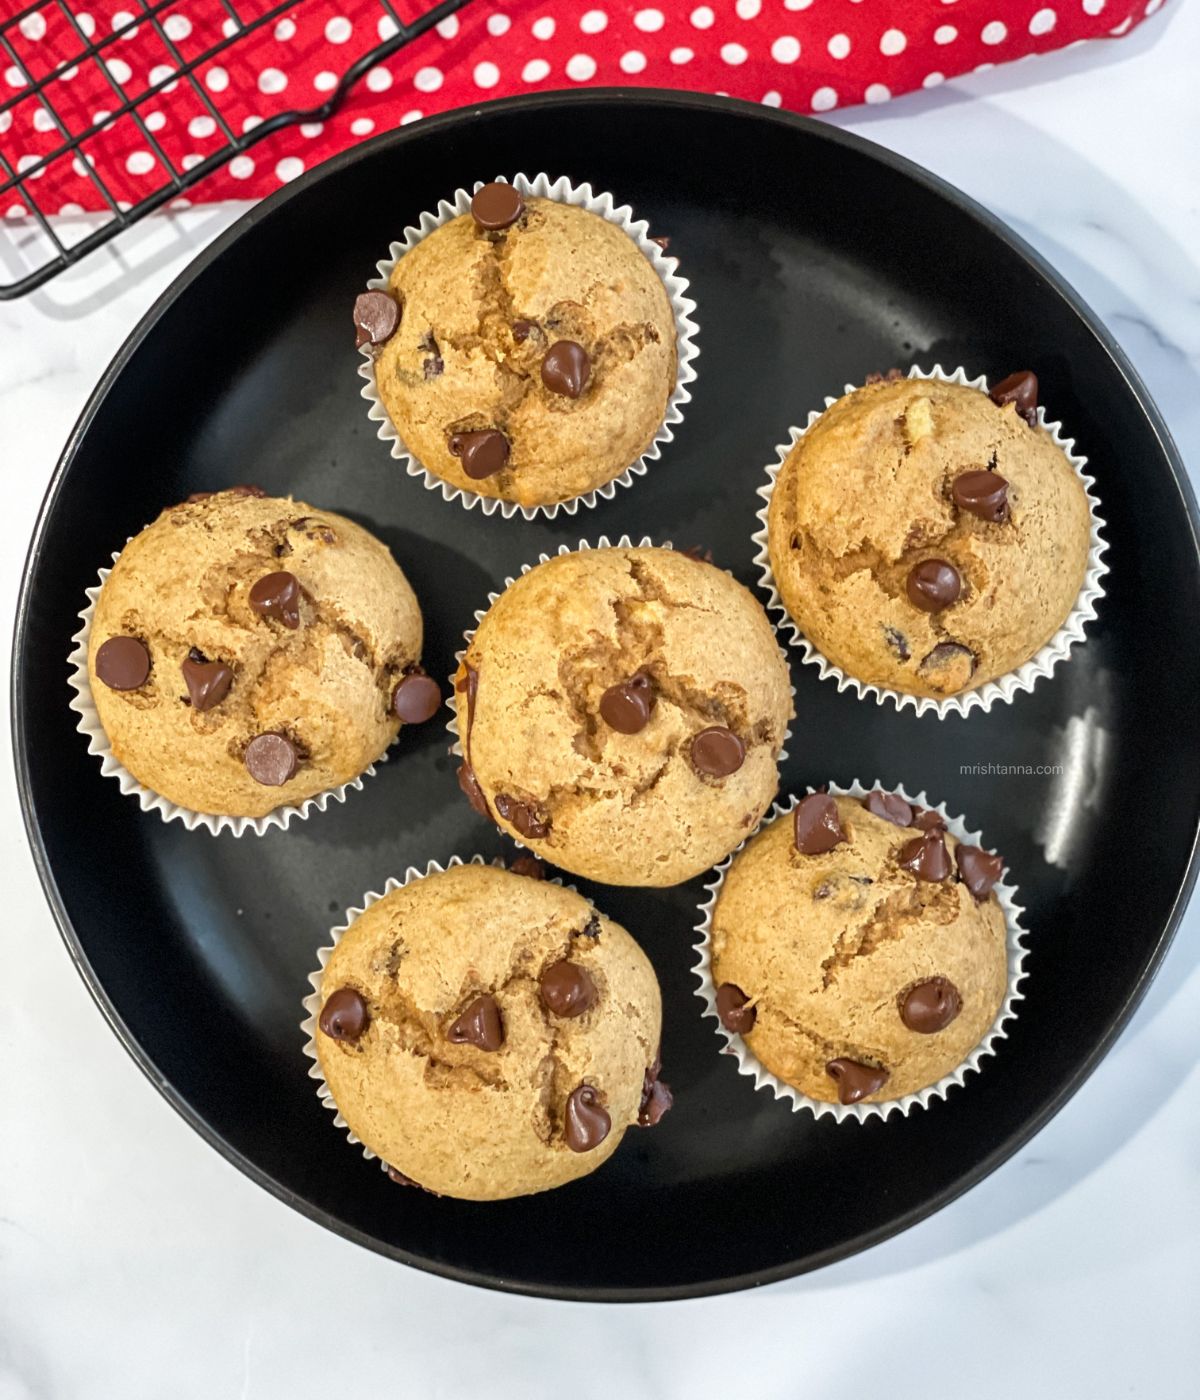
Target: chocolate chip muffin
(489, 1035)
(927, 536)
(858, 948)
(247, 653)
(525, 350)
(621, 712)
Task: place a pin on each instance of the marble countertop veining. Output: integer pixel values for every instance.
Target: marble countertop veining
(134, 1261)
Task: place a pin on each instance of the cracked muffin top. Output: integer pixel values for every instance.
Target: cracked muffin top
(927, 537)
(531, 361)
(489, 1035)
(858, 948)
(621, 712)
(248, 652)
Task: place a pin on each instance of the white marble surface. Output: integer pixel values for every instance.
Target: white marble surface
(135, 1262)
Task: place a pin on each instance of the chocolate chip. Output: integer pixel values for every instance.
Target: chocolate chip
(933, 584)
(376, 317)
(663, 241)
(483, 453)
(855, 1081)
(699, 553)
(344, 1015)
(890, 807)
(522, 330)
(278, 596)
(736, 1015)
(926, 856)
(529, 866)
(587, 1122)
(433, 366)
(472, 791)
(208, 682)
(626, 707)
(930, 1006)
(656, 1097)
(566, 368)
(897, 641)
(417, 697)
(949, 658)
(496, 206)
(523, 815)
(567, 989)
(271, 759)
(890, 377)
(716, 752)
(590, 930)
(983, 494)
(122, 663)
(926, 819)
(1020, 389)
(479, 1025)
(396, 1175)
(242, 490)
(816, 825)
(979, 870)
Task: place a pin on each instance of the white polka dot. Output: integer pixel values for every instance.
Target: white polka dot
(288, 168)
(217, 80)
(734, 54)
(535, 70)
(325, 81)
(427, 79)
(6, 121)
(229, 27)
(796, 4)
(71, 210)
(177, 27)
(839, 46)
(448, 27)
(101, 118)
(581, 67)
(119, 69)
(155, 121)
(28, 162)
(994, 33)
(748, 9)
(311, 129)
(786, 49)
(241, 167)
(1043, 22)
(78, 166)
(409, 117)
(124, 206)
(160, 73)
(387, 28)
(824, 99)
(120, 20)
(338, 30)
(681, 55)
(72, 72)
(42, 120)
(12, 76)
(15, 211)
(201, 128)
(498, 24)
(139, 163)
(191, 160)
(772, 99)
(1093, 7)
(86, 24)
(285, 30)
(362, 126)
(33, 27)
(594, 22)
(633, 62)
(983, 68)
(893, 42)
(486, 75)
(1153, 5)
(543, 28)
(651, 21)
(945, 34)
(272, 80)
(877, 92)
(181, 202)
(380, 79)
(933, 79)
(703, 17)
(249, 123)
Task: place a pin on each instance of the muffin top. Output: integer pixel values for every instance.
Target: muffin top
(622, 712)
(531, 362)
(245, 650)
(489, 1035)
(861, 956)
(927, 539)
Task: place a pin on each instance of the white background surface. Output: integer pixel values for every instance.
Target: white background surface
(135, 1262)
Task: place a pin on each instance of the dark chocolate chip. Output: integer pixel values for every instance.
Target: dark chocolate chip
(523, 815)
(926, 819)
(529, 866)
(949, 657)
(656, 1097)
(1020, 389)
(271, 759)
(278, 596)
(122, 663)
(396, 1175)
(663, 241)
(933, 584)
(376, 317)
(472, 791)
(344, 1015)
(588, 1123)
(816, 825)
(479, 1025)
(566, 368)
(979, 870)
(208, 682)
(890, 377)
(897, 641)
(433, 366)
(983, 494)
(626, 707)
(716, 752)
(590, 930)
(855, 1081)
(482, 453)
(930, 1006)
(700, 553)
(417, 697)
(496, 206)
(733, 1009)
(567, 989)
(926, 856)
(890, 807)
(522, 330)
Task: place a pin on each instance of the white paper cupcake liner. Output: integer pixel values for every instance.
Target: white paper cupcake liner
(1006, 894)
(111, 767)
(984, 696)
(686, 349)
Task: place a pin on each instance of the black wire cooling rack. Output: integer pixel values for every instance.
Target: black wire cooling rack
(239, 25)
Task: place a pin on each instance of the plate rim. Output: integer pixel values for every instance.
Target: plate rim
(654, 98)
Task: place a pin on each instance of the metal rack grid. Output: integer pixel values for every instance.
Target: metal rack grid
(93, 50)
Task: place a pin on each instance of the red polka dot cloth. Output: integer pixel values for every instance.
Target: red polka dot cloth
(807, 55)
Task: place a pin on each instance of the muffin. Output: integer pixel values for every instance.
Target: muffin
(858, 948)
(488, 1035)
(525, 350)
(248, 652)
(622, 711)
(928, 537)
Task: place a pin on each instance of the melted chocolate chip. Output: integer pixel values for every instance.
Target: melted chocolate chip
(590, 930)
(733, 1009)
(716, 752)
(587, 1120)
(855, 1081)
(982, 494)
(433, 366)
(523, 815)
(656, 1097)
(529, 866)
(271, 759)
(1020, 389)
(979, 870)
(522, 330)
(208, 682)
(933, 584)
(469, 784)
(496, 206)
(396, 1175)
(417, 697)
(626, 707)
(930, 1006)
(344, 1015)
(700, 553)
(376, 317)
(816, 825)
(278, 596)
(566, 368)
(944, 663)
(926, 856)
(890, 807)
(479, 1025)
(890, 377)
(567, 989)
(122, 663)
(897, 641)
(926, 819)
(483, 453)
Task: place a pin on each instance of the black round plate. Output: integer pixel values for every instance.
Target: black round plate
(814, 258)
